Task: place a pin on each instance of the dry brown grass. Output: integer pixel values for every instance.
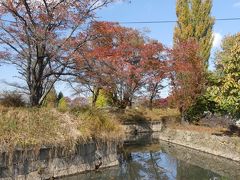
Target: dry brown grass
(155, 114)
(99, 123)
(34, 127)
(144, 114)
(20, 126)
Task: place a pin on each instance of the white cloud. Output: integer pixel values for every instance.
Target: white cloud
(217, 40)
(237, 4)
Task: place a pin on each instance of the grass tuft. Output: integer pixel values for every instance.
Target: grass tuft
(99, 123)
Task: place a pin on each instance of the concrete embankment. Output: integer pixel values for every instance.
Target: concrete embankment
(186, 156)
(219, 145)
(224, 146)
(53, 162)
(56, 162)
(135, 127)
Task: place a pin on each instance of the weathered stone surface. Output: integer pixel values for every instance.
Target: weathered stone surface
(218, 165)
(224, 146)
(52, 163)
(143, 126)
(148, 126)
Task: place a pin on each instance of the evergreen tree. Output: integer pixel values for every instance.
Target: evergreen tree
(60, 96)
(195, 21)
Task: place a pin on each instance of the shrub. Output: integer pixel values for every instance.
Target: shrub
(12, 99)
(62, 105)
(197, 110)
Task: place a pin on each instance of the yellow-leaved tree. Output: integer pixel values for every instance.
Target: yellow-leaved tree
(195, 22)
(226, 92)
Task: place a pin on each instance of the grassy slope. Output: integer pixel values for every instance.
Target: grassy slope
(27, 127)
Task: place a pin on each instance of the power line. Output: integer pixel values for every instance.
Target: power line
(148, 22)
(172, 21)
(151, 22)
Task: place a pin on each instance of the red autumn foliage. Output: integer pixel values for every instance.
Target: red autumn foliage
(122, 62)
(43, 38)
(187, 77)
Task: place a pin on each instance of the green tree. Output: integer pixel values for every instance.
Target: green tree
(226, 91)
(102, 99)
(195, 21)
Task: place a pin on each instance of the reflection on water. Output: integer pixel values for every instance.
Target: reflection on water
(166, 162)
(148, 165)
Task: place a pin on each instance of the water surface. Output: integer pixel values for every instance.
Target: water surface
(165, 161)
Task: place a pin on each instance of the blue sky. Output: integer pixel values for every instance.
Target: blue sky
(153, 10)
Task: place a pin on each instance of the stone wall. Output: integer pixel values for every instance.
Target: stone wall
(54, 162)
(148, 126)
(142, 126)
(218, 165)
(224, 146)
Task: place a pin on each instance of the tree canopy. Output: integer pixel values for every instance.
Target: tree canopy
(42, 39)
(121, 61)
(195, 22)
(226, 91)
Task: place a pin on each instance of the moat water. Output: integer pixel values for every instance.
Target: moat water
(164, 161)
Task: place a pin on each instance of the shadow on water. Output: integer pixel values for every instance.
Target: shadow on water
(144, 157)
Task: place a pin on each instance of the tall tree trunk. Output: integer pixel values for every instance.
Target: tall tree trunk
(151, 103)
(153, 95)
(36, 77)
(95, 96)
(127, 101)
(36, 95)
(182, 115)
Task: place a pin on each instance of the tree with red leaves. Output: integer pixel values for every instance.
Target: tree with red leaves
(42, 38)
(155, 55)
(112, 62)
(121, 62)
(187, 76)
